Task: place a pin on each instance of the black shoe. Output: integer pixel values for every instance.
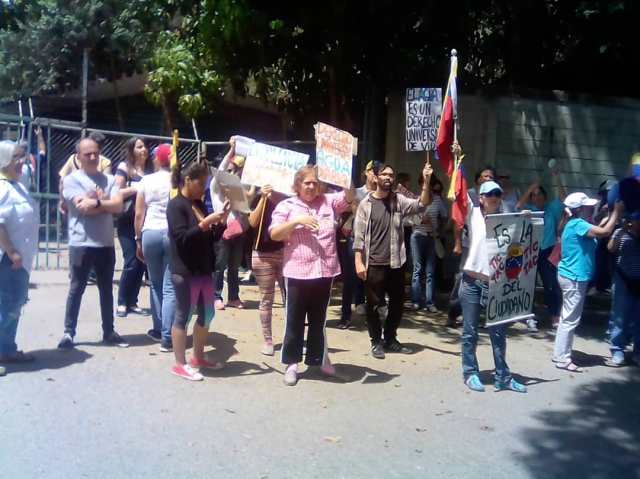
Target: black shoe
(344, 324)
(395, 347)
(155, 335)
(135, 309)
(114, 339)
(166, 347)
(66, 342)
(377, 351)
(452, 319)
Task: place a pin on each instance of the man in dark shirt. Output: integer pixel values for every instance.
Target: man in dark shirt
(380, 254)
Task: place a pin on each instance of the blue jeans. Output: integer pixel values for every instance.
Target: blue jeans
(132, 269)
(352, 286)
(155, 247)
(228, 256)
(14, 286)
(423, 252)
(549, 274)
(473, 297)
(624, 324)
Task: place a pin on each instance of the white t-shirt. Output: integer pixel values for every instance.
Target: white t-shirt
(155, 188)
(477, 259)
(19, 215)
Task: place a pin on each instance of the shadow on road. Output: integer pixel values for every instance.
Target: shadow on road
(47, 359)
(350, 373)
(597, 436)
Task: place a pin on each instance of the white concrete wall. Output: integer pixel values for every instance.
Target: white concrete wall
(590, 142)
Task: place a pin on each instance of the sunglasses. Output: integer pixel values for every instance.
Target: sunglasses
(493, 194)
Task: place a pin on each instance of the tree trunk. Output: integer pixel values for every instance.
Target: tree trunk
(333, 96)
(116, 93)
(374, 127)
(167, 117)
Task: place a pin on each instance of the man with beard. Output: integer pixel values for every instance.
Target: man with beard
(380, 253)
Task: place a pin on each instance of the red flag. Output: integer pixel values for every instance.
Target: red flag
(447, 120)
(460, 204)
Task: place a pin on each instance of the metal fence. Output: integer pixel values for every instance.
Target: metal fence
(60, 139)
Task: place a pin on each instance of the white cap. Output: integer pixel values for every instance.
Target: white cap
(576, 200)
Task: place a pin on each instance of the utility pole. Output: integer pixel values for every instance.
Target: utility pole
(85, 86)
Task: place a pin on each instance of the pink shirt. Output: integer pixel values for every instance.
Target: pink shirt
(311, 254)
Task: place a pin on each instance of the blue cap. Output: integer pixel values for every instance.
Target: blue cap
(489, 186)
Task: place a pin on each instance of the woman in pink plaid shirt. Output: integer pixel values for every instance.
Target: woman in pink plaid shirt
(306, 224)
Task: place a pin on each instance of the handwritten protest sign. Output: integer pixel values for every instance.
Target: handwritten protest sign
(243, 145)
(513, 246)
(424, 106)
(334, 155)
(270, 165)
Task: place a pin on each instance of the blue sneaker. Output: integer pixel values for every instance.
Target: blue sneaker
(617, 358)
(473, 382)
(511, 385)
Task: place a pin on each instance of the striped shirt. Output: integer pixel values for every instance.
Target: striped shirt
(311, 254)
(428, 223)
(627, 253)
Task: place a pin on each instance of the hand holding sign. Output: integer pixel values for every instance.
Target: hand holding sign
(427, 171)
(266, 191)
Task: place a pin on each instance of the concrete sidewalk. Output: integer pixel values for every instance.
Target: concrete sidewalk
(117, 413)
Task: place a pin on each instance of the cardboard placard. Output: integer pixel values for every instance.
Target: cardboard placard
(424, 107)
(513, 246)
(270, 165)
(334, 155)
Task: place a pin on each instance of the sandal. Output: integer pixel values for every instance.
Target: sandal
(570, 366)
(17, 357)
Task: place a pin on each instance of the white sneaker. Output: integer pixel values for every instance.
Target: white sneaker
(532, 325)
(291, 375)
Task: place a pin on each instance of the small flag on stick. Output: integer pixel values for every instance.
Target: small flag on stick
(174, 163)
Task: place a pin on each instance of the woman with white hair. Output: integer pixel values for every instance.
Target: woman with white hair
(576, 269)
(18, 245)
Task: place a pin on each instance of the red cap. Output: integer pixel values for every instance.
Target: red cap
(162, 155)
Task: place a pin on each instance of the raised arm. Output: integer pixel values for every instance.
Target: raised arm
(607, 229)
(524, 199)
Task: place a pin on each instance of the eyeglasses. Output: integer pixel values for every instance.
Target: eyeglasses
(493, 194)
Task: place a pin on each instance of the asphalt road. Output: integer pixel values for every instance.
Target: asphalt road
(117, 413)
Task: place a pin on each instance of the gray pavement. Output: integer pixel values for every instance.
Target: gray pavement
(117, 413)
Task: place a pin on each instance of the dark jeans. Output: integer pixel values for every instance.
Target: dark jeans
(132, 270)
(455, 308)
(228, 256)
(423, 251)
(381, 280)
(473, 297)
(306, 299)
(81, 261)
(352, 286)
(603, 277)
(549, 274)
(624, 325)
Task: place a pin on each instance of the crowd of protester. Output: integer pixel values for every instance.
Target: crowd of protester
(301, 244)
